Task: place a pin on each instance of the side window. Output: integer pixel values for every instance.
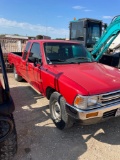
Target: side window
(35, 51)
(26, 50)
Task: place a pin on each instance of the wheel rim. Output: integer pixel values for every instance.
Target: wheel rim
(56, 110)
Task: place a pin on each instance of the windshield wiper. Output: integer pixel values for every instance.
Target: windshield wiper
(50, 61)
(85, 58)
(58, 60)
(75, 59)
(73, 62)
(64, 61)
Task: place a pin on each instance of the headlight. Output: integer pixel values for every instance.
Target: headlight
(92, 100)
(80, 102)
(83, 102)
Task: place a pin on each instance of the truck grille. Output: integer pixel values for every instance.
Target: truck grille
(109, 98)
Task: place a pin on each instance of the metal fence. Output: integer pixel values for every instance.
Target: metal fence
(11, 45)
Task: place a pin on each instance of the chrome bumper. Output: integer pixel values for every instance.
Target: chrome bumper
(103, 113)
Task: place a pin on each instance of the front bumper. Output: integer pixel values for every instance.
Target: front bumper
(92, 116)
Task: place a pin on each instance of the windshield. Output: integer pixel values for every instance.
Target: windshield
(93, 33)
(59, 53)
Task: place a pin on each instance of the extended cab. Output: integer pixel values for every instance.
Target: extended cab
(78, 87)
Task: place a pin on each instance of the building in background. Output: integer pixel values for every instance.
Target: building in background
(42, 37)
(12, 43)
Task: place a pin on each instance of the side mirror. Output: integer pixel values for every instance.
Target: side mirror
(36, 61)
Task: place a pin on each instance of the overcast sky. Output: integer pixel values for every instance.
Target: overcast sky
(51, 17)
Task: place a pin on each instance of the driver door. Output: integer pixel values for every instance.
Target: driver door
(34, 64)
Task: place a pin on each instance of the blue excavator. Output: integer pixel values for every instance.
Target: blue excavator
(93, 29)
(108, 36)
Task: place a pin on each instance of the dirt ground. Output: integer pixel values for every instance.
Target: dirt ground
(39, 139)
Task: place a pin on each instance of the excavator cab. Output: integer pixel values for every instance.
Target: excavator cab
(86, 30)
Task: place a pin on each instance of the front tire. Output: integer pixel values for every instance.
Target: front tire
(16, 76)
(58, 112)
(8, 143)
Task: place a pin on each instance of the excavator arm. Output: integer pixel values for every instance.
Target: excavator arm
(107, 38)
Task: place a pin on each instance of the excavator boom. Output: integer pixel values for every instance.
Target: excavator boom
(107, 38)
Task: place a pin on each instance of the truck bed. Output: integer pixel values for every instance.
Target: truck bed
(14, 57)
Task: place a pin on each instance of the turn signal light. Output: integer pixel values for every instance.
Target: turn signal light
(92, 115)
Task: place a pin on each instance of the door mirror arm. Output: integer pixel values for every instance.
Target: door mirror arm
(35, 61)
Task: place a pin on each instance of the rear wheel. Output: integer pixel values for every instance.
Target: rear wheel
(16, 76)
(8, 138)
(58, 112)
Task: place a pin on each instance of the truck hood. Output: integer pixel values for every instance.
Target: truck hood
(96, 78)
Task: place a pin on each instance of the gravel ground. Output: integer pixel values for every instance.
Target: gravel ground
(39, 139)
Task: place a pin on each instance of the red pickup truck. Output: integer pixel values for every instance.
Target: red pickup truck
(78, 87)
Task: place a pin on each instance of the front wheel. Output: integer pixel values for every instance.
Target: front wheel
(16, 76)
(58, 112)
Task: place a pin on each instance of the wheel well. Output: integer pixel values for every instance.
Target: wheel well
(49, 91)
